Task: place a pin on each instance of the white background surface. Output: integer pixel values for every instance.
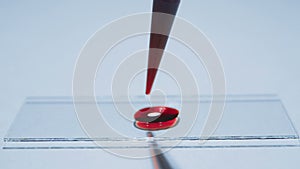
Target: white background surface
(258, 42)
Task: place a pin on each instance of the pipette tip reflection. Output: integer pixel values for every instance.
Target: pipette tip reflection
(158, 158)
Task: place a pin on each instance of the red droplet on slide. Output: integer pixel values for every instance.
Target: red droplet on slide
(156, 118)
(157, 125)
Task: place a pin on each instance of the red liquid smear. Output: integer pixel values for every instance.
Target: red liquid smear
(159, 41)
(156, 118)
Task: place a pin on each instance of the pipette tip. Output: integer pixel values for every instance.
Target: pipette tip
(151, 73)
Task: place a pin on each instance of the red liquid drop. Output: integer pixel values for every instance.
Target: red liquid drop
(156, 125)
(156, 118)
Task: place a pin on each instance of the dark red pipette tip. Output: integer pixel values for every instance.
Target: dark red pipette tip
(159, 40)
(151, 73)
(156, 118)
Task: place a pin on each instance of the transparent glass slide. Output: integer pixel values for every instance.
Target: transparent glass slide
(247, 121)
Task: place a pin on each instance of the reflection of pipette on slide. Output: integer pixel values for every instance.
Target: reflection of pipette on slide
(158, 158)
(159, 41)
